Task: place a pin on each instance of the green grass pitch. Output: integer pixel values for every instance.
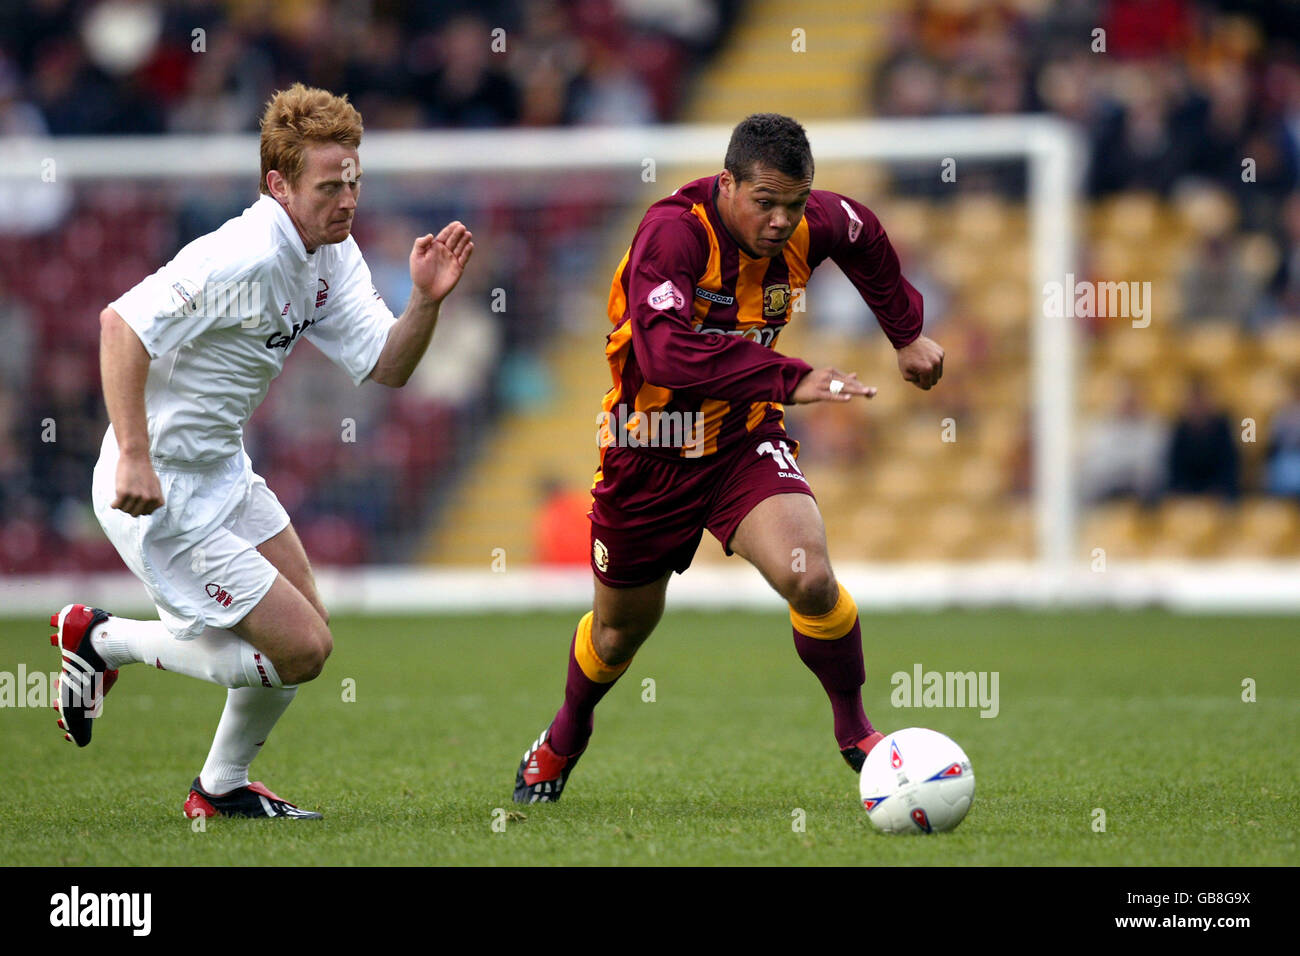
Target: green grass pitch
(1139, 715)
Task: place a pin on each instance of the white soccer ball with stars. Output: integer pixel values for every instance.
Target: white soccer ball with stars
(916, 781)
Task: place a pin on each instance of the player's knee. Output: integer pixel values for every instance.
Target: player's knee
(308, 659)
(813, 592)
(616, 645)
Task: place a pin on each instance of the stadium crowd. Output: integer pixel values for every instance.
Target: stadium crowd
(1171, 96)
(80, 67)
(1193, 106)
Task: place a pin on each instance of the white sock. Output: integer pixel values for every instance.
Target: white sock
(246, 722)
(217, 655)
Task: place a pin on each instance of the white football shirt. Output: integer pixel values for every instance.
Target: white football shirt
(220, 319)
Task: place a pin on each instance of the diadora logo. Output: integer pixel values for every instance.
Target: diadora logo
(278, 340)
(895, 756)
(322, 293)
(712, 296)
(775, 300)
(219, 594)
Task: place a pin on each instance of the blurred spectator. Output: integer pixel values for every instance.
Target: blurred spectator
(1283, 454)
(562, 533)
(1215, 283)
(1203, 457)
(461, 81)
(1283, 297)
(26, 208)
(17, 338)
(610, 93)
(1124, 453)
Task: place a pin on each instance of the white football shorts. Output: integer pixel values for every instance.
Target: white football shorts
(197, 554)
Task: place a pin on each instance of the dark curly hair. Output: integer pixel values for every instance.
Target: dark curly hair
(775, 141)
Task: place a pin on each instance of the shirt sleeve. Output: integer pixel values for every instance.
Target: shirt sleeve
(353, 332)
(667, 257)
(850, 234)
(192, 294)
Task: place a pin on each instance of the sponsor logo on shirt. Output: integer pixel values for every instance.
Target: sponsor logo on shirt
(712, 296)
(765, 336)
(665, 296)
(279, 340)
(775, 300)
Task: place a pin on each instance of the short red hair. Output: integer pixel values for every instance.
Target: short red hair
(301, 116)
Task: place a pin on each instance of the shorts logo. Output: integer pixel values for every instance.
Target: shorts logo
(855, 224)
(219, 594)
(775, 300)
(665, 296)
(600, 554)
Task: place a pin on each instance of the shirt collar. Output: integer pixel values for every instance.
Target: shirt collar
(287, 228)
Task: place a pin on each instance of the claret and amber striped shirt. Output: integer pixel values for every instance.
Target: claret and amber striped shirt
(696, 319)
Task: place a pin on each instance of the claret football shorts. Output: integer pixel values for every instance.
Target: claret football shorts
(648, 514)
(196, 555)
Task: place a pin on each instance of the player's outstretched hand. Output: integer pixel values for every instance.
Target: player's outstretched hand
(138, 490)
(437, 262)
(829, 385)
(921, 362)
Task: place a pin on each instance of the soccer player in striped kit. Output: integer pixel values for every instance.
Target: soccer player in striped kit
(186, 357)
(692, 434)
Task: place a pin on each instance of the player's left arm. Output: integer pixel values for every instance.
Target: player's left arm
(437, 263)
(850, 234)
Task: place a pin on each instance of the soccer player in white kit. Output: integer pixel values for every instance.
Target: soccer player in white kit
(186, 356)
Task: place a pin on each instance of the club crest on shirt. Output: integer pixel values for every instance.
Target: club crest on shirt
(775, 300)
(322, 293)
(665, 296)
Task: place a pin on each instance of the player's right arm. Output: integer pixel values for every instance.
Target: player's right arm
(124, 369)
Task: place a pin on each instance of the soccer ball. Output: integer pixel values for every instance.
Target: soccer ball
(916, 781)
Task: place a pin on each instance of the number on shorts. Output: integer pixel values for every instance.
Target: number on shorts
(783, 457)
